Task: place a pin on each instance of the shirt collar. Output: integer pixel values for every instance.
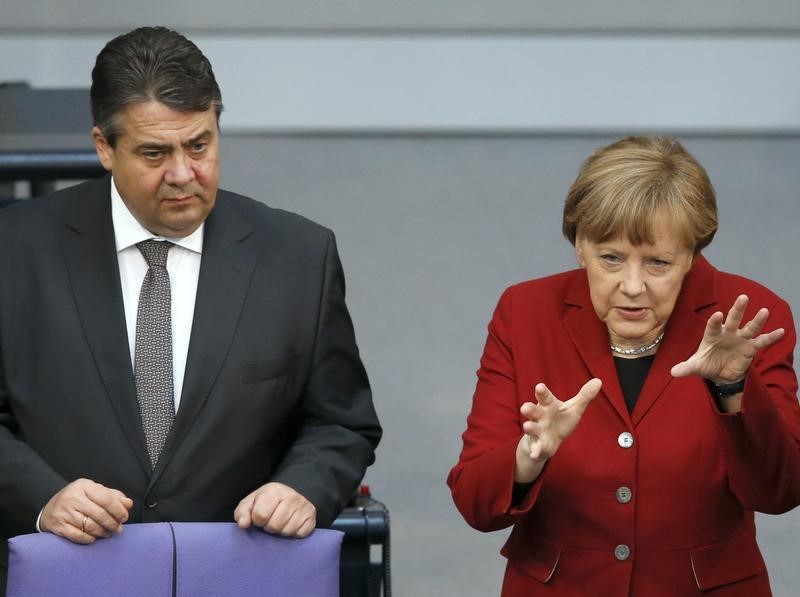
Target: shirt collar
(128, 231)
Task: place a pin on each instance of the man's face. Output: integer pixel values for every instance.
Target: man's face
(165, 165)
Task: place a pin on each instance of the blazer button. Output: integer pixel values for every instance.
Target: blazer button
(625, 439)
(624, 495)
(622, 552)
(151, 501)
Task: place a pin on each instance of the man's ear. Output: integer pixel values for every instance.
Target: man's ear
(104, 150)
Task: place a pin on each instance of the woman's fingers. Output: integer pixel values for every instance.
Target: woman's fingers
(586, 394)
(769, 339)
(543, 394)
(736, 313)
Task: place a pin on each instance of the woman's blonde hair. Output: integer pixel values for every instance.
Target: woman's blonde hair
(621, 190)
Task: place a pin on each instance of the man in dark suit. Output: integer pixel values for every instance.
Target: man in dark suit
(268, 418)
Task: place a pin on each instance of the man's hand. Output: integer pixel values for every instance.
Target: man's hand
(279, 509)
(85, 510)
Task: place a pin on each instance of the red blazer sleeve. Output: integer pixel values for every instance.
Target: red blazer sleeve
(482, 481)
(763, 441)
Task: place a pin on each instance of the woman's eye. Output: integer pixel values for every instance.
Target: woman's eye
(611, 259)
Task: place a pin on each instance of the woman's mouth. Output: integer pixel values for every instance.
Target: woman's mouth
(632, 313)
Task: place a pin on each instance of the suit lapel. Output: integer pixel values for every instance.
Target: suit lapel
(681, 336)
(590, 336)
(225, 272)
(91, 260)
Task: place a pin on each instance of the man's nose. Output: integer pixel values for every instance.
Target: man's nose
(180, 170)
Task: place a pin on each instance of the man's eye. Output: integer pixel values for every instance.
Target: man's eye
(199, 147)
(152, 155)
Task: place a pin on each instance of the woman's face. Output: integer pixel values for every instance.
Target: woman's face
(634, 289)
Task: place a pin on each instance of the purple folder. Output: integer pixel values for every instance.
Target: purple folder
(206, 559)
(222, 559)
(136, 562)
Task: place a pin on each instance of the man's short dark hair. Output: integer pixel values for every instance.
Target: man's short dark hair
(150, 64)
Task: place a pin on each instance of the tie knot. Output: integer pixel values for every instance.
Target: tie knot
(155, 251)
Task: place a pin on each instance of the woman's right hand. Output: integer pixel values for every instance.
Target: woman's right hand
(550, 422)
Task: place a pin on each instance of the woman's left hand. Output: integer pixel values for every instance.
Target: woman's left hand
(726, 350)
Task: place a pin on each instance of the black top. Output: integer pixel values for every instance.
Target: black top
(632, 373)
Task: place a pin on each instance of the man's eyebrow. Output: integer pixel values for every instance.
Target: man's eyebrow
(152, 147)
(200, 137)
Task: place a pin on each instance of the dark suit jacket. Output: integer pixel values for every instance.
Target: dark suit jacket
(695, 475)
(274, 387)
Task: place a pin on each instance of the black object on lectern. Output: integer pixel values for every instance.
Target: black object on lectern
(365, 524)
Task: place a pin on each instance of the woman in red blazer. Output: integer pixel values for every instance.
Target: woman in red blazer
(631, 415)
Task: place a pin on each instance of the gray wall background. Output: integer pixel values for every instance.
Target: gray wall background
(438, 141)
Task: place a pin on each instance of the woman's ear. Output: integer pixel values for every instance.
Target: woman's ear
(579, 252)
(692, 259)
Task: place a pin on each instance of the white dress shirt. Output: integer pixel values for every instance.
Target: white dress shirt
(183, 265)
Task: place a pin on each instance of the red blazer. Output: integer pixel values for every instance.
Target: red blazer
(668, 512)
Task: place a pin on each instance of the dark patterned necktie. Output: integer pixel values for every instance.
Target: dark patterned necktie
(153, 356)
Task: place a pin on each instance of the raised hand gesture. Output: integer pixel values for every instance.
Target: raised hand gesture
(549, 423)
(726, 350)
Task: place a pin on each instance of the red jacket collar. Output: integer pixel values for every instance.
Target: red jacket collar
(683, 333)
